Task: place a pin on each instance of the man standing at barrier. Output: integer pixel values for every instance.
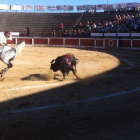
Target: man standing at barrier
(28, 31)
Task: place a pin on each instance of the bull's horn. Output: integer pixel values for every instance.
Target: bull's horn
(52, 61)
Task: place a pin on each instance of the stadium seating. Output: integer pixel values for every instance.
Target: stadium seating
(39, 23)
(42, 24)
(101, 17)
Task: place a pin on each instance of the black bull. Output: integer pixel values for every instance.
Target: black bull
(65, 64)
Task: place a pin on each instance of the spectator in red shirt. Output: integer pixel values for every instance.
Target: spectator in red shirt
(119, 18)
(62, 26)
(80, 24)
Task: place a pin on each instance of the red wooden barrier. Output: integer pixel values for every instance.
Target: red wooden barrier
(27, 40)
(87, 42)
(99, 43)
(13, 41)
(41, 41)
(136, 43)
(125, 43)
(71, 41)
(56, 41)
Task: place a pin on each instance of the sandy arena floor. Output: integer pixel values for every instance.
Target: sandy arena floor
(103, 105)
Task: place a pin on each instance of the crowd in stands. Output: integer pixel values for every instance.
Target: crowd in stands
(89, 11)
(114, 10)
(122, 23)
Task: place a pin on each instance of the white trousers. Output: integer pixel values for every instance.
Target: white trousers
(7, 54)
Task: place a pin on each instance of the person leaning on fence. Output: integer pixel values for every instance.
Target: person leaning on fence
(82, 33)
(75, 33)
(4, 37)
(28, 31)
(79, 33)
(53, 33)
(70, 33)
(66, 33)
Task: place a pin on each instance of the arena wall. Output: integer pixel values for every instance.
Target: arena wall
(109, 43)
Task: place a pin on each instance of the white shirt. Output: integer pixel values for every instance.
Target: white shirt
(3, 38)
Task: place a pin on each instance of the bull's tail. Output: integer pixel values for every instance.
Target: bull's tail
(77, 60)
(20, 47)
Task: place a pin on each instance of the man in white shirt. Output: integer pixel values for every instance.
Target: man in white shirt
(4, 37)
(7, 53)
(5, 50)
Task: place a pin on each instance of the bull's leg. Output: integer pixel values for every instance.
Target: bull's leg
(75, 68)
(63, 75)
(74, 72)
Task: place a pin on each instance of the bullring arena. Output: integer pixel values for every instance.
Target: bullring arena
(103, 105)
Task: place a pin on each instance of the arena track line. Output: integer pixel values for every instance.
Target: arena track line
(75, 102)
(129, 63)
(37, 86)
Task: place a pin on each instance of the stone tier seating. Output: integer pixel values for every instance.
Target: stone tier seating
(101, 17)
(39, 23)
(42, 24)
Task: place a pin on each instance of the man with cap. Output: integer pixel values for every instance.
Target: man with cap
(4, 37)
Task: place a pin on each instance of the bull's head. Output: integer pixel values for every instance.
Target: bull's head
(54, 65)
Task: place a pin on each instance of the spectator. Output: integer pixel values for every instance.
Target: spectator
(66, 33)
(87, 24)
(93, 10)
(80, 24)
(100, 25)
(106, 23)
(91, 24)
(116, 18)
(110, 24)
(79, 33)
(87, 10)
(94, 26)
(82, 33)
(74, 33)
(105, 10)
(27, 31)
(62, 26)
(134, 9)
(119, 18)
(70, 33)
(53, 33)
(89, 29)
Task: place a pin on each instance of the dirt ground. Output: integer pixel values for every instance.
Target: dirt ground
(103, 105)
